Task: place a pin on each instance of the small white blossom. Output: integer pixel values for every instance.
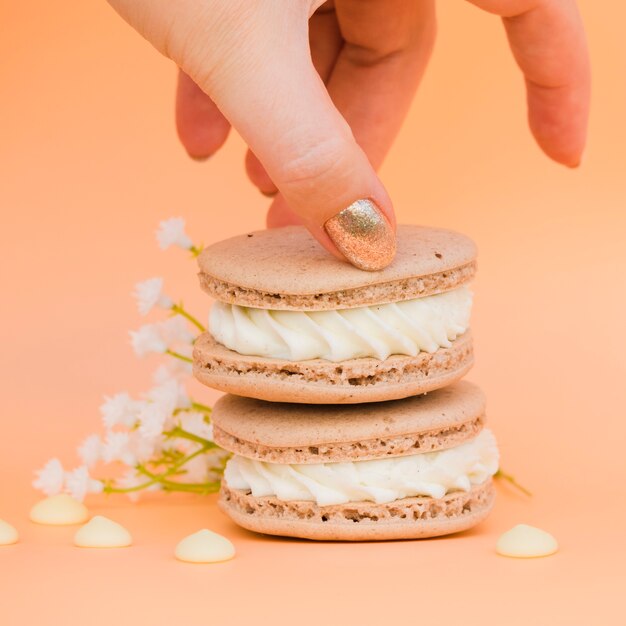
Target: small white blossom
(158, 337)
(79, 483)
(116, 448)
(90, 450)
(147, 339)
(152, 419)
(144, 448)
(50, 479)
(195, 423)
(119, 409)
(174, 369)
(171, 395)
(149, 293)
(171, 232)
(175, 330)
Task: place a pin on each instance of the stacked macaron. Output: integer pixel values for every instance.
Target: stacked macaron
(349, 446)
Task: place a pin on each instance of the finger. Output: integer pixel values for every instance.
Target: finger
(388, 45)
(548, 42)
(280, 214)
(201, 127)
(258, 176)
(325, 42)
(269, 90)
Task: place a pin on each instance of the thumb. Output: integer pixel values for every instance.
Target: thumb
(267, 87)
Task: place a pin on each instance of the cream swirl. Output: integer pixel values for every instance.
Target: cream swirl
(381, 480)
(422, 324)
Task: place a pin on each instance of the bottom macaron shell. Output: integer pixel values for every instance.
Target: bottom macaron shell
(408, 518)
(324, 382)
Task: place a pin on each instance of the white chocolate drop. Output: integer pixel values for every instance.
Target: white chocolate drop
(59, 510)
(102, 532)
(8, 534)
(204, 546)
(524, 541)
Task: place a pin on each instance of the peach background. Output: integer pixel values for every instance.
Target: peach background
(90, 162)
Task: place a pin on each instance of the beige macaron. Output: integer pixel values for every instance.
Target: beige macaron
(285, 270)
(303, 436)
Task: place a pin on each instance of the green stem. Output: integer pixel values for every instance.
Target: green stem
(178, 355)
(201, 488)
(178, 309)
(201, 407)
(195, 250)
(108, 488)
(168, 485)
(511, 479)
(177, 431)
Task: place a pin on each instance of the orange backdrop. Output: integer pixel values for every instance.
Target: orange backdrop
(89, 163)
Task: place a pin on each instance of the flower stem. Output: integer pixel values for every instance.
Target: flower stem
(178, 355)
(177, 431)
(511, 479)
(201, 407)
(195, 251)
(178, 309)
(109, 488)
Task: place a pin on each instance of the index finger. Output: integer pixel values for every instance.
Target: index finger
(548, 42)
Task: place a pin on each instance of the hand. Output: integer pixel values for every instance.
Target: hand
(319, 90)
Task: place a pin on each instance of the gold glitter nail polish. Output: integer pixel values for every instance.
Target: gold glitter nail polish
(363, 235)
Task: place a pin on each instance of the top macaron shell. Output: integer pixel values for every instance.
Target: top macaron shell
(286, 269)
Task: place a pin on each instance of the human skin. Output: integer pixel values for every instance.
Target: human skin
(318, 90)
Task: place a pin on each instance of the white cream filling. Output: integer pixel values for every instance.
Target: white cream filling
(423, 324)
(381, 480)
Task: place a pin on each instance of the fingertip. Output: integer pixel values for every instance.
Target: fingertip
(201, 127)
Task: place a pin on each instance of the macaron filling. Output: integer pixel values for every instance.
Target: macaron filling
(378, 331)
(381, 481)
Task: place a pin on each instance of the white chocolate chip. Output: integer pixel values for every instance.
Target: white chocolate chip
(524, 541)
(8, 534)
(59, 510)
(204, 546)
(101, 532)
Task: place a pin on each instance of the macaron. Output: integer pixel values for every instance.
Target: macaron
(412, 468)
(294, 324)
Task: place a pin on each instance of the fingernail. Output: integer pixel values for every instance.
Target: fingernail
(269, 194)
(363, 235)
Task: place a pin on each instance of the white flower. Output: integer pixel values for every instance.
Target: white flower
(90, 450)
(175, 330)
(174, 369)
(171, 232)
(171, 395)
(147, 339)
(195, 423)
(148, 294)
(152, 419)
(50, 478)
(79, 483)
(116, 448)
(119, 409)
(157, 337)
(144, 448)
